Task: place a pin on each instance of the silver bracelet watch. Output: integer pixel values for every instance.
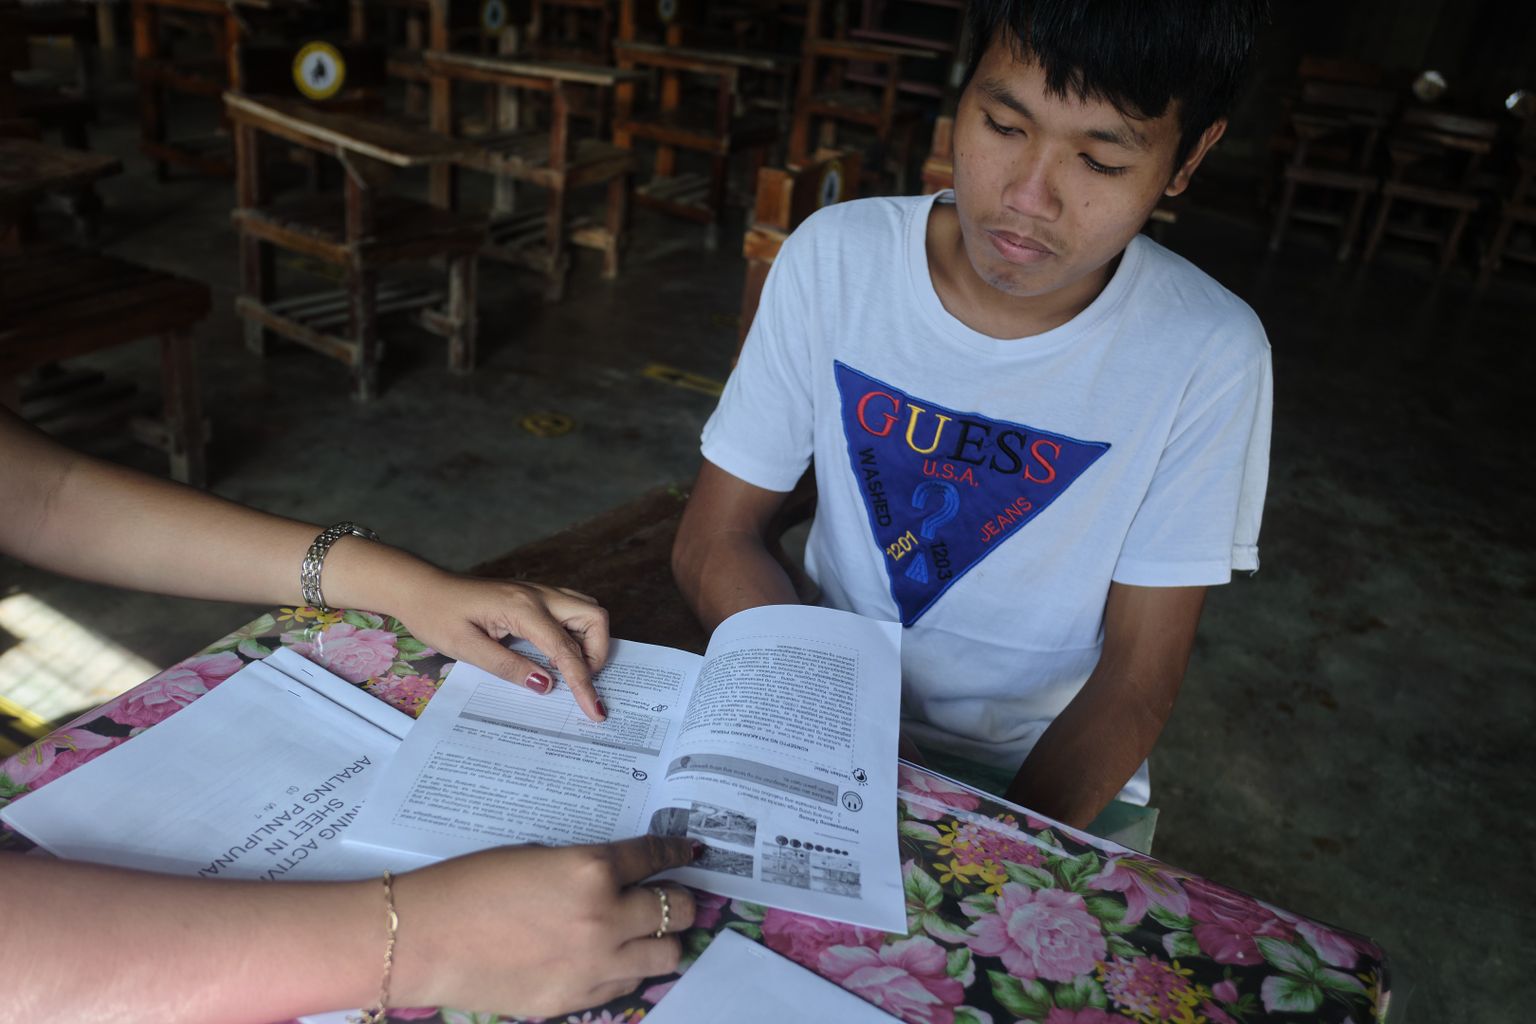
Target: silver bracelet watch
(314, 560)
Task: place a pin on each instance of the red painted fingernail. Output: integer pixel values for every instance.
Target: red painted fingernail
(538, 682)
(601, 710)
(698, 850)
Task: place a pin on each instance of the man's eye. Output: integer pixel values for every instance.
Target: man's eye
(1098, 168)
(1001, 130)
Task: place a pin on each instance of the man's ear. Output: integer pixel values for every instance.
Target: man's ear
(1180, 180)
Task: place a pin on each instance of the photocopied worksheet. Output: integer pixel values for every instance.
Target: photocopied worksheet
(259, 779)
(736, 979)
(776, 750)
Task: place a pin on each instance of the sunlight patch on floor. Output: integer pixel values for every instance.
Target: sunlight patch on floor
(58, 666)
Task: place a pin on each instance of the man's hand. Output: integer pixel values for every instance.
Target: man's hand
(1096, 744)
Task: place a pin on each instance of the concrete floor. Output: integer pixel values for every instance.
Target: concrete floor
(1352, 738)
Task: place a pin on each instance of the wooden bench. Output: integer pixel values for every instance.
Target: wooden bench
(700, 104)
(35, 94)
(31, 105)
(1516, 210)
(359, 233)
(552, 160)
(162, 74)
(1435, 159)
(827, 96)
(58, 302)
(1337, 128)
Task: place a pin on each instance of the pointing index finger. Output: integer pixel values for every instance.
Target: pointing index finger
(637, 859)
(566, 657)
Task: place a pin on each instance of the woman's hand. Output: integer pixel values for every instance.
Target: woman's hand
(465, 617)
(538, 931)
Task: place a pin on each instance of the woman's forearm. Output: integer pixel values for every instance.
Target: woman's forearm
(89, 943)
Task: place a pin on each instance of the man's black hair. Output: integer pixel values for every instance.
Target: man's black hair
(1139, 55)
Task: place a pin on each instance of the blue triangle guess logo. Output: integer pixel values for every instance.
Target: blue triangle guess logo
(943, 488)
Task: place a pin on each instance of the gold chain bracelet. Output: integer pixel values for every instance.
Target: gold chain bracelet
(379, 1013)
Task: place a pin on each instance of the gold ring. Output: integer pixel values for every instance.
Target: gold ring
(666, 911)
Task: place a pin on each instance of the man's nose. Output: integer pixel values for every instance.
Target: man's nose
(1032, 188)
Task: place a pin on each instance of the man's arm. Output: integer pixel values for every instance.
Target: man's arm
(1096, 744)
(722, 559)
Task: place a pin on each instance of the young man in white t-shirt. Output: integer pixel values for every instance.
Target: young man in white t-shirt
(1037, 435)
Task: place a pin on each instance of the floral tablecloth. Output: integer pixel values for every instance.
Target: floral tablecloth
(1011, 918)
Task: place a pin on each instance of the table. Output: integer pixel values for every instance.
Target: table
(552, 159)
(225, 22)
(1011, 917)
(358, 235)
(29, 168)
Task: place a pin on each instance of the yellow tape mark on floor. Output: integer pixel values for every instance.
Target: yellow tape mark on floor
(547, 424)
(683, 379)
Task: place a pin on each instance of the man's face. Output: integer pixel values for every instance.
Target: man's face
(1050, 189)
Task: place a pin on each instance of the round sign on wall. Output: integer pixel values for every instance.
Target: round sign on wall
(319, 71)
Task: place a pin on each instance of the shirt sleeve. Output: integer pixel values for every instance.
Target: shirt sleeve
(763, 430)
(1200, 517)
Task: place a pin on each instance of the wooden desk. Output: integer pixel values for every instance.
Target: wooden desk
(550, 160)
(685, 57)
(1517, 209)
(28, 169)
(225, 22)
(716, 131)
(358, 235)
(57, 302)
(832, 102)
(528, 74)
(344, 135)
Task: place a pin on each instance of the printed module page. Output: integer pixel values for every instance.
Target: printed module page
(258, 778)
(785, 765)
(491, 763)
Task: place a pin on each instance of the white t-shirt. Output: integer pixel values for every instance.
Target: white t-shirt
(983, 492)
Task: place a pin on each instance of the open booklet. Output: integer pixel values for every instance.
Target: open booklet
(258, 778)
(776, 749)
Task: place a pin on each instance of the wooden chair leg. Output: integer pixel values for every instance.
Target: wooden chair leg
(800, 138)
(1453, 240)
(257, 261)
(903, 154)
(554, 240)
(1377, 231)
(1495, 254)
(1352, 225)
(257, 267)
(719, 177)
(183, 408)
(362, 295)
(146, 45)
(666, 161)
(616, 222)
(828, 137)
(462, 273)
